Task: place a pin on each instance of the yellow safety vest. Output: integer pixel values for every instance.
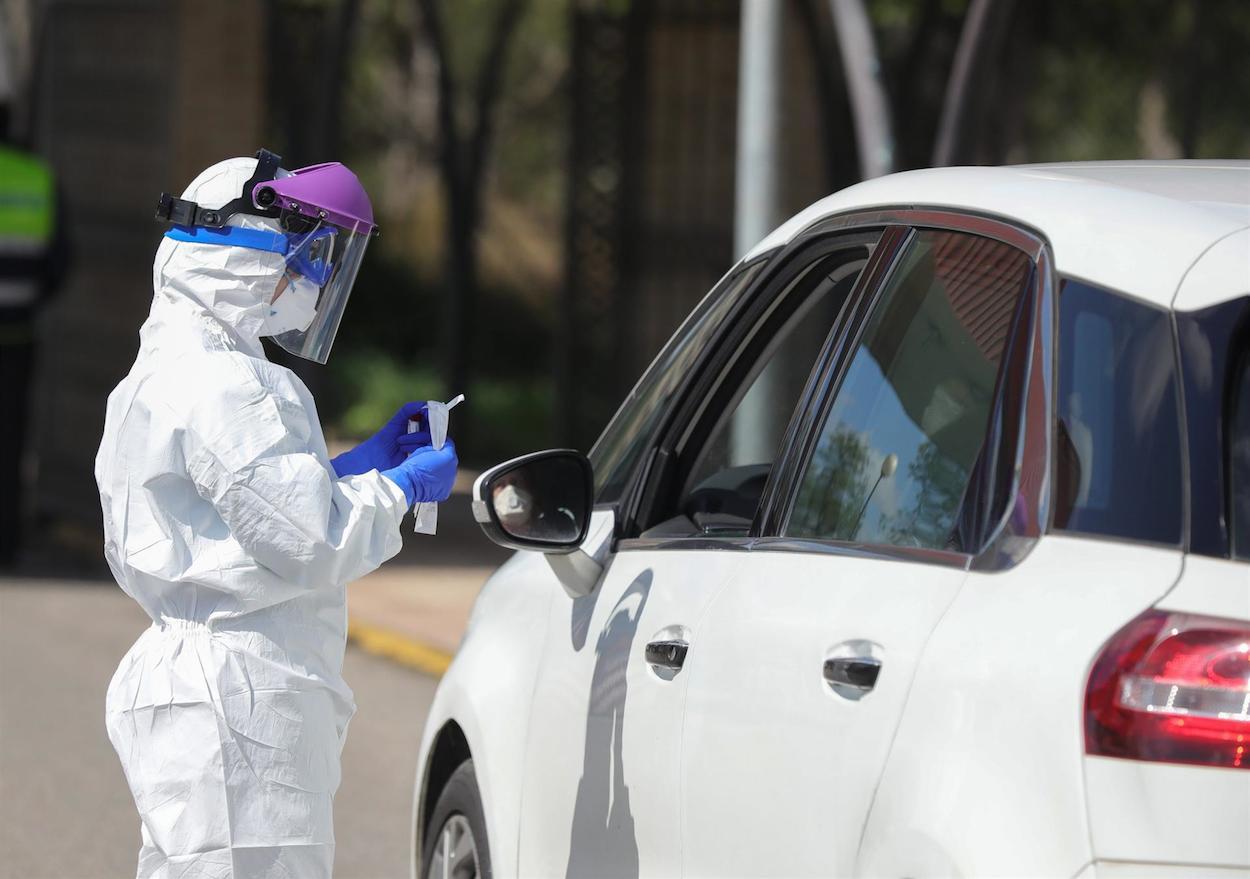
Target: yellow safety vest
(27, 224)
(27, 199)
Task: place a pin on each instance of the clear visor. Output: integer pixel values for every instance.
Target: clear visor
(321, 267)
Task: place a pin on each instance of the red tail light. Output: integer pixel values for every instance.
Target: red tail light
(1172, 688)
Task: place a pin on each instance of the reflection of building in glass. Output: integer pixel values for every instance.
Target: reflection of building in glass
(921, 388)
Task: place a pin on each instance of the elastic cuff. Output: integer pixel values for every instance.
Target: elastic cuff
(397, 487)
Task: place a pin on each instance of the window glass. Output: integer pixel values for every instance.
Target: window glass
(728, 464)
(1213, 342)
(1239, 469)
(1117, 454)
(616, 453)
(906, 428)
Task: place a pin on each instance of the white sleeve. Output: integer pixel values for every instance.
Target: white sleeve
(248, 454)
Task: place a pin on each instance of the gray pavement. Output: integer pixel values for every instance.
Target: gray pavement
(65, 811)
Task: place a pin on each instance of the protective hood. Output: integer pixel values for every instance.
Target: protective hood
(231, 285)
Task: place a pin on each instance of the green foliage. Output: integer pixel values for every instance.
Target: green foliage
(1101, 59)
(394, 310)
(511, 416)
(1074, 80)
(508, 415)
(378, 384)
(940, 483)
(391, 346)
(835, 487)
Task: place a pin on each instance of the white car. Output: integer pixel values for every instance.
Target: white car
(922, 549)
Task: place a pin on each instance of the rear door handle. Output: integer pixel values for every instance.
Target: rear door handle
(856, 672)
(667, 654)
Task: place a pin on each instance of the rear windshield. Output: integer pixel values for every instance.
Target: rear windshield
(1215, 370)
(1118, 443)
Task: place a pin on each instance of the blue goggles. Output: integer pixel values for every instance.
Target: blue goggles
(310, 254)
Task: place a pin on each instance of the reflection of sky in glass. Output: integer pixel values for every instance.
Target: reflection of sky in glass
(868, 399)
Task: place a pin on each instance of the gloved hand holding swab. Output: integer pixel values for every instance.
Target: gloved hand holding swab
(436, 417)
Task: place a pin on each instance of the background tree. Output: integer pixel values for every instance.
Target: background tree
(466, 110)
(836, 486)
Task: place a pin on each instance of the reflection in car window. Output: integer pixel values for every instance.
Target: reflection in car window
(726, 482)
(541, 500)
(1239, 469)
(1213, 342)
(1117, 449)
(896, 451)
(616, 453)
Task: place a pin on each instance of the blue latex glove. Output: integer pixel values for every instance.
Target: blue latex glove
(383, 450)
(410, 442)
(427, 474)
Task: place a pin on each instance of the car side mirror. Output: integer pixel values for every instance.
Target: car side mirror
(540, 501)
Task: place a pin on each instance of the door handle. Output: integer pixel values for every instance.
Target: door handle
(855, 672)
(667, 654)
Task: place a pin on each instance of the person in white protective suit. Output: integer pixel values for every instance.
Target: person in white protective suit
(227, 521)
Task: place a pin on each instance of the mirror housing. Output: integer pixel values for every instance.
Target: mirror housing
(541, 501)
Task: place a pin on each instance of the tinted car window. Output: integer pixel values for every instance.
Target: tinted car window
(1213, 344)
(907, 425)
(616, 453)
(1239, 468)
(729, 451)
(1117, 450)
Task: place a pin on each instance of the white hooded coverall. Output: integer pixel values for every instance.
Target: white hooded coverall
(224, 519)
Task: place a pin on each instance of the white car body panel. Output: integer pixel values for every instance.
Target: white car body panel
(605, 730)
(487, 690)
(755, 669)
(1138, 870)
(1101, 229)
(1212, 587)
(1168, 813)
(1220, 274)
(986, 778)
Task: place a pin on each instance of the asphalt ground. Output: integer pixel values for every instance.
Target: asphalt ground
(65, 810)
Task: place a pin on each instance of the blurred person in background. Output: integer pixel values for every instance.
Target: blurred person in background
(33, 257)
(226, 519)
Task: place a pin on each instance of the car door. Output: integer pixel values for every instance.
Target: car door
(801, 664)
(603, 740)
(603, 755)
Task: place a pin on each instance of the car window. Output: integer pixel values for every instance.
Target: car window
(616, 453)
(1117, 448)
(1213, 342)
(906, 427)
(1239, 466)
(729, 449)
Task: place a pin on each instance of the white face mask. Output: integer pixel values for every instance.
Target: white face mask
(511, 501)
(294, 309)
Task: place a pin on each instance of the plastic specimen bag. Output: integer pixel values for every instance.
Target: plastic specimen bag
(438, 415)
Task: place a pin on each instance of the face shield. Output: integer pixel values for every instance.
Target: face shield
(326, 222)
(310, 299)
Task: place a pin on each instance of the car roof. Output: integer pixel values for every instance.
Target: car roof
(1136, 227)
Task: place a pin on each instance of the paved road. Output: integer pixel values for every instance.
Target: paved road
(65, 811)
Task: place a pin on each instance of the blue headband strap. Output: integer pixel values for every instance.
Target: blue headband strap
(253, 239)
(302, 251)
